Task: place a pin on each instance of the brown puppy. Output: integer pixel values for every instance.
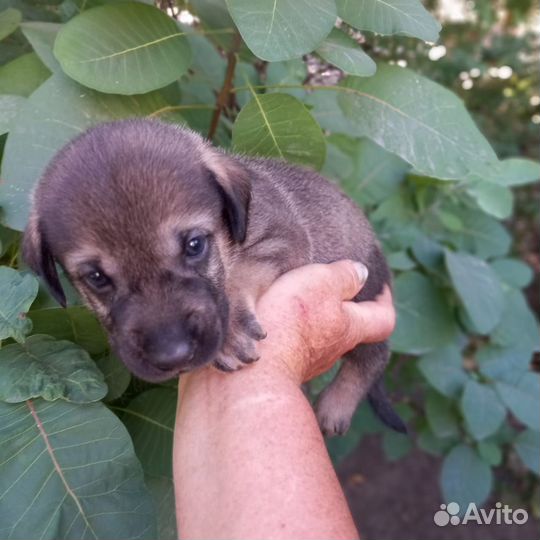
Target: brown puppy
(171, 242)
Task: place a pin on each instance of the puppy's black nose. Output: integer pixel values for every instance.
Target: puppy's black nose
(168, 347)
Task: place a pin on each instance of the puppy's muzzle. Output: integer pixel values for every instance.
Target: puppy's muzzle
(170, 347)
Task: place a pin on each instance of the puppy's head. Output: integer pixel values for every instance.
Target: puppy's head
(142, 216)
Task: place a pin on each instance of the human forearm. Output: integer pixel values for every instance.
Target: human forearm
(250, 462)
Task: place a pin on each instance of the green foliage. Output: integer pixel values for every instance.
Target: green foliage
(149, 53)
(50, 369)
(398, 141)
(279, 126)
(72, 469)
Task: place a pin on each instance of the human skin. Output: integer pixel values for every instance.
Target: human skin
(249, 458)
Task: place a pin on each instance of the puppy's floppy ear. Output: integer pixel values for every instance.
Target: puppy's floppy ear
(234, 186)
(38, 257)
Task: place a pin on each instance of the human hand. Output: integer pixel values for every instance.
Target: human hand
(311, 321)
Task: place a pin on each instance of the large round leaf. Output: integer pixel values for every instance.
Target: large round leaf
(424, 321)
(415, 118)
(518, 327)
(523, 398)
(478, 287)
(278, 125)
(465, 478)
(148, 53)
(385, 17)
(483, 411)
(44, 367)
(69, 471)
(283, 29)
(56, 112)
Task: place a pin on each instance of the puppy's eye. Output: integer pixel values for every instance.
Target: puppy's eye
(195, 246)
(97, 280)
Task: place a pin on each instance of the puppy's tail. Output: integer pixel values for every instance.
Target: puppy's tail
(380, 403)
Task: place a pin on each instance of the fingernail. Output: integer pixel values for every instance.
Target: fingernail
(362, 271)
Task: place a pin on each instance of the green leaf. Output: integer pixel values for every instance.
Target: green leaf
(518, 326)
(493, 198)
(511, 172)
(117, 376)
(44, 367)
(278, 125)
(17, 292)
(450, 221)
(483, 411)
(527, 445)
(206, 74)
(432, 444)
(465, 477)
(9, 108)
(424, 320)
(75, 323)
(481, 234)
(444, 370)
(428, 253)
(408, 17)
(523, 399)
(441, 416)
(150, 417)
(490, 452)
(503, 363)
(149, 53)
(424, 123)
(478, 288)
(292, 72)
(69, 471)
(9, 21)
(513, 272)
(400, 261)
(162, 491)
(41, 36)
(23, 75)
(377, 175)
(345, 53)
(55, 113)
(283, 29)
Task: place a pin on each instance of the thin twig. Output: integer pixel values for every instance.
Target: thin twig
(224, 95)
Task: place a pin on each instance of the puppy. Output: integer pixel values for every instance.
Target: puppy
(171, 242)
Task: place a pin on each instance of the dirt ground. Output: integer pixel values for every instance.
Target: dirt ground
(397, 501)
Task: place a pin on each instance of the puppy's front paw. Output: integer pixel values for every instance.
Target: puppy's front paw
(240, 347)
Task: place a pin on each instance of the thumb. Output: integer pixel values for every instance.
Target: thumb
(371, 321)
(349, 277)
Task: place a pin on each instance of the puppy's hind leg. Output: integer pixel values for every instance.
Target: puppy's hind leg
(359, 377)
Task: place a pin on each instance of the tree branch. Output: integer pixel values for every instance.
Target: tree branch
(226, 93)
